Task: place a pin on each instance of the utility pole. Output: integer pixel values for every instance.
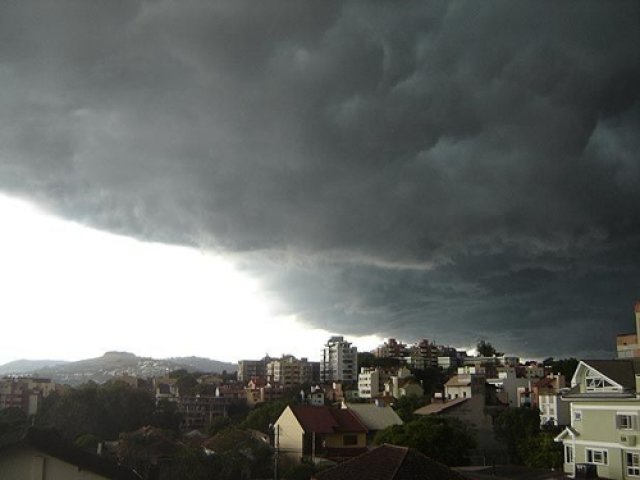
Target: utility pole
(276, 445)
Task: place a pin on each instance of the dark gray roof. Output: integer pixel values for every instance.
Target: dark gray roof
(390, 462)
(51, 443)
(621, 371)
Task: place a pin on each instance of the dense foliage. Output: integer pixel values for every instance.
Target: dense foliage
(564, 366)
(513, 426)
(12, 419)
(405, 406)
(367, 359)
(446, 440)
(485, 349)
(527, 444)
(100, 410)
(263, 416)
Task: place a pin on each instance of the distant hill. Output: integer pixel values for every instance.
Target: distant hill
(110, 365)
(202, 364)
(18, 367)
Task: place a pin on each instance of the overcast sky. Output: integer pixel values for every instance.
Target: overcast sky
(456, 170)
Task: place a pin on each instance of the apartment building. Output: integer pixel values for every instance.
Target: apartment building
(199, 411)
(392, 348)
(339, 361)
(25, 393)
(289, 371)
(248, 369)
(371, 381)
(628, 344)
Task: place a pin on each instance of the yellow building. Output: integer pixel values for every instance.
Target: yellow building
(313, 433)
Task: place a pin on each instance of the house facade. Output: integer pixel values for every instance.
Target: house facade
(43, 455)
(604, 434)
(369, 382)
(547, 397)
(305, 432)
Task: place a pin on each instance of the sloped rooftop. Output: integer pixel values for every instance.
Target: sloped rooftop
(438, 407)
(375, 417)
(390, 462)
(327, 420)
(621, 371)
(52, 444)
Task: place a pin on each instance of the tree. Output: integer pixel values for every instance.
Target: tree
(264, 415)
(446, 440)
(515, 427)
(167, 416)
(219, 424)
(485, 349)
(565, 367)
(193, 464)
(12, 419)
(104, 410)
(432, 379)
(405, 406)
(242, 455)
(187, 384)
(367, 359)
(145, 449)
(301, 472)
(541, 451)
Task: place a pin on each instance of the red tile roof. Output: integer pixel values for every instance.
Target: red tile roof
(390, 462)
(347, 421)
(327, 420)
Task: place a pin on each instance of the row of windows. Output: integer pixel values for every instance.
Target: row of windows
(599, 456)
(624, 421)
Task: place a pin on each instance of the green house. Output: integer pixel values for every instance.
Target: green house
(605, 424)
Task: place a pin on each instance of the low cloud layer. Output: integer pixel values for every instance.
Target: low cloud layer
(457, 170)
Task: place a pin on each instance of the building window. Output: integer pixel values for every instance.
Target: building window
(568, 454)
(597, 456)
(633, 464)
(597, 383)
(624, 422)
(349, 440)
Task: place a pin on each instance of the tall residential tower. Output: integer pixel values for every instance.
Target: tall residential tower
(339, 361)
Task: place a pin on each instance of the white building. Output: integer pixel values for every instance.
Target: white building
(339, 361)
(464, 385)
(368, 382)
(547, 396)
(507, 384)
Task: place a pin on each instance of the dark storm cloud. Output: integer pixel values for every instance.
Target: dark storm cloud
(461, 170)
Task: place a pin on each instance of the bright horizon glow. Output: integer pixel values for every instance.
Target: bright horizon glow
(70, 292)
